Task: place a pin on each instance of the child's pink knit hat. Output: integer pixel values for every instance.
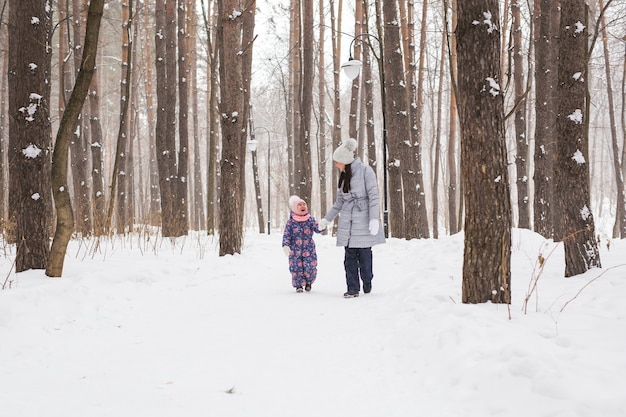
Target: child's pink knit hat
(294, 200)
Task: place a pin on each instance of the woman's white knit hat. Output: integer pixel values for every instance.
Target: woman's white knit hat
(345, 152)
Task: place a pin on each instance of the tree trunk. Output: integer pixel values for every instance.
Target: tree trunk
(437, 139)
(231, 108)
(294, 89)
(133, 193)
(397, 117)
(78, 147)
(212, 111)
(623, 168)
(213, 146)
(576, 226)
(163, 152)
(247, 42)
(453, 218)
(63, 204)
(417, 204)
(97, 167)
(335, 19)
(521, 156)
(546, 71)
(409, 177)
(619, 228)
(171, 218)
(355, 87)
(368, 102)
(30, 137)
(3, 134)
(153, 170)
(487, 249)
(119, 180)
(165, 41)
(198, 194)
(181, 209)
(321, 93)
(304, 172)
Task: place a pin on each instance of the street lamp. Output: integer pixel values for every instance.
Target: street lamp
(352, 69)
(268, 175)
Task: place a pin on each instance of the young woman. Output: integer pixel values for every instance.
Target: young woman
(358, 207)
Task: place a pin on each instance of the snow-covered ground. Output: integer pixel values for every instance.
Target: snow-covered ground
(150, 327)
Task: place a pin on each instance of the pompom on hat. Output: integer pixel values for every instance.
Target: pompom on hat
(345, 152)
(294, 200)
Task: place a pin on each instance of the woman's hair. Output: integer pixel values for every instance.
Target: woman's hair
(344, 178)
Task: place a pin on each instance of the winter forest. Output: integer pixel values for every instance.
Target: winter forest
(206, 115)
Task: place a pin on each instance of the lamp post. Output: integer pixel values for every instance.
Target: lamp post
(268, 175)
(352, 69)
(252, 145)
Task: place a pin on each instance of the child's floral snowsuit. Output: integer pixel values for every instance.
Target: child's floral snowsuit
(298, 235)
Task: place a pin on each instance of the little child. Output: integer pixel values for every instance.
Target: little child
(298, 244)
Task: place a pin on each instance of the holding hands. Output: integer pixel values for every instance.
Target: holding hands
(323, 224)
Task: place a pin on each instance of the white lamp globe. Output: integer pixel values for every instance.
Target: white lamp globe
(352, 68)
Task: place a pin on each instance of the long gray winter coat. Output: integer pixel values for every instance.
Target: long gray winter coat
(356, 208)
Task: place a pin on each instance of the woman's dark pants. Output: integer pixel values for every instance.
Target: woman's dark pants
(358, 266)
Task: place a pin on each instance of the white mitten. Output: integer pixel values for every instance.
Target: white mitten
(323, 224)
(286, 250)
(374, 227)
